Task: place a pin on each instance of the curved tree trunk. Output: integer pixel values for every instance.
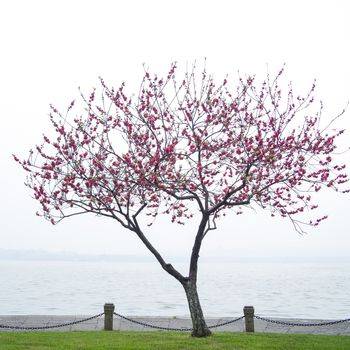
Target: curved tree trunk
(200, 328)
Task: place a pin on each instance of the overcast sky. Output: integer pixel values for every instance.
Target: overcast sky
(50, 48)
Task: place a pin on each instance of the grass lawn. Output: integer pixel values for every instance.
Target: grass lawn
(168, 341)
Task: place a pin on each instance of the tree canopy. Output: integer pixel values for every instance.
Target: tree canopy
(188, 141)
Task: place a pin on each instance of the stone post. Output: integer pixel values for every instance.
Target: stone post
(108, 309)
(249, 318)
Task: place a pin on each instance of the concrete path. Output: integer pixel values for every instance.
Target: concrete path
(97, 324)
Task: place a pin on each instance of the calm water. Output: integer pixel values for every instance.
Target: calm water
(302, 290)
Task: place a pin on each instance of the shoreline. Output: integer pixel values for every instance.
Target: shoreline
(119, 324)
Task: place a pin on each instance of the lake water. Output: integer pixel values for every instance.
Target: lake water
(299, 290)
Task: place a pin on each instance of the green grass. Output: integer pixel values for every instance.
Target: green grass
(168, 341)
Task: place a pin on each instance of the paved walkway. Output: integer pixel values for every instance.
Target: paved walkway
(97, 324)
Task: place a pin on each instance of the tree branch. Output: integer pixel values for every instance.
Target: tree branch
(230, 193)
(167, 267)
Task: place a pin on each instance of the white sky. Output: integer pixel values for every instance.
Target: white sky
(50, 48)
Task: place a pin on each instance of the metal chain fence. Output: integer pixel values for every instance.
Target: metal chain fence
(182, 329)
(51, 326)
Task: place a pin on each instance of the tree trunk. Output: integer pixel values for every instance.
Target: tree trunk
(200, 328)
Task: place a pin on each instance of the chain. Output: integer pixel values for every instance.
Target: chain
(302, 324)
(153, 326)
(52, 326)
(171, 328)
(225, 323)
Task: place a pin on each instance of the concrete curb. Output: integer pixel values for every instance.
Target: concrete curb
(119, 324)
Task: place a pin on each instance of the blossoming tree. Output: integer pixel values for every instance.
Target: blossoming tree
(183, 147)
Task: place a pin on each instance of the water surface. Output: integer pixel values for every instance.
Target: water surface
(298, 290)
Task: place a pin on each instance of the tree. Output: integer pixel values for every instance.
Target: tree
(181, 148)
